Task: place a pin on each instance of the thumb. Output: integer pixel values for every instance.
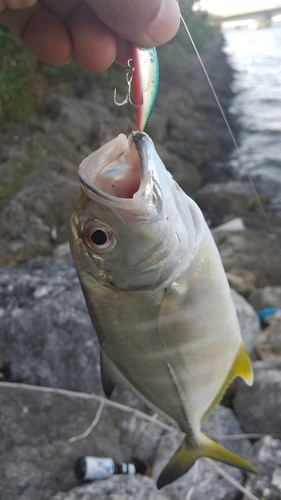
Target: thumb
(144, 22)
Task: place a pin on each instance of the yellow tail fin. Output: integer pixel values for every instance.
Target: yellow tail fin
(185, 457)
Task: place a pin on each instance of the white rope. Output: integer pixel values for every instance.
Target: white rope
(91, 427)
(230, 479)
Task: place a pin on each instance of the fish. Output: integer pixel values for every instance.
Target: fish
(157, 294)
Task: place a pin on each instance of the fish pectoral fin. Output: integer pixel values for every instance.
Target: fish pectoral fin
(107, 375)
(185, 457)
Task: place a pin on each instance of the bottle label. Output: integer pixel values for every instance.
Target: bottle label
(98, 468)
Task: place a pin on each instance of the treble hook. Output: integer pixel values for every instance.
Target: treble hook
(129, 79)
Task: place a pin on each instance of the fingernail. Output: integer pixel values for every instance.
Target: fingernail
(166, 23)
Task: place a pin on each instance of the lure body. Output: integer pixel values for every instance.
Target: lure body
(145, 82)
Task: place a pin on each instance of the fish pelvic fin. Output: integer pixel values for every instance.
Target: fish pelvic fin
(185, 457)
(107, 374)
(241, 367)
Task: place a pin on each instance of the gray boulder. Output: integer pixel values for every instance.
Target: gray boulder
(267, 457)
(268, 342)
(83, 122)
(46, 336)
(225, 199)
(269, 296)
(37, 218)
(115, 488)
(37, 459)
(241, 280)
(184, 172)
(252, 250)
(259, 407)
(248, 321)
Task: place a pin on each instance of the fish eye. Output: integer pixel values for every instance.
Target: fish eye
(99, 237)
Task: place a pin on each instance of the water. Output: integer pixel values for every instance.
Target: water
(256, 57)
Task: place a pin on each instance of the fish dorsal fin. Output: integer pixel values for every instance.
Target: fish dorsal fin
(241, 367)
(107, 375)
(185, 457)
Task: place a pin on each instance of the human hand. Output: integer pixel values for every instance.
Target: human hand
(92, 32)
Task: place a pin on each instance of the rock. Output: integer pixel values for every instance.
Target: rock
(184, 173)
(224, 199)
(115, 488)
(266, 455)
(268, 342)
(273, 315)
(236, 224)
(259, 407)
(37, 459)
(269, 296)
(61, 250)
(26, 223)
(248, 321)
(207, 483)
(85, 122)
(241, 280)
(252, 250)
(75, 121)
(47, 338)
(21, 236)
(157, 126)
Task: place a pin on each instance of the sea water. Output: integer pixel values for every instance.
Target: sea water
(256, 58)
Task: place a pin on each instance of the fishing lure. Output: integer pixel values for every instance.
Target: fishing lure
(143, 73)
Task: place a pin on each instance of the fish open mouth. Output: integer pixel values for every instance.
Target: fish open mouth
(122, 175)
(116, 169)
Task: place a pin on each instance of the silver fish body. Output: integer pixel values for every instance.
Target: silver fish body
(156, 292)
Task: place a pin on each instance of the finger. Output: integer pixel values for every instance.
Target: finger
(41, 33)
(16, 4)
(145, 22)
(48, 39)
(94, 44)
(123, 53)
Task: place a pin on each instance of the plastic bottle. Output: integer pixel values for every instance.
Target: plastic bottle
(94, 468)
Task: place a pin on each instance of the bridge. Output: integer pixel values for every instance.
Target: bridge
(258, 18)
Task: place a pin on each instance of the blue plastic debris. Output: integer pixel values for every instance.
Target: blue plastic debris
(267, 311)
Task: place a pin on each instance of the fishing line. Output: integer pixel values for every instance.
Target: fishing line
(270, 228)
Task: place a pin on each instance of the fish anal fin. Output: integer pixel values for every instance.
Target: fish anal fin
(107, 376)
(241, 367)
(185, 457)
